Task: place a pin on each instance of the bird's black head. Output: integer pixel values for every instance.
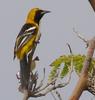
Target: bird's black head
(35, 15)
(39, 14)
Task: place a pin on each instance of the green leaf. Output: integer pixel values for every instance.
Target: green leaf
(57, 62)
(54, 67)
(78, 67)
(65, 71)
(78, 61)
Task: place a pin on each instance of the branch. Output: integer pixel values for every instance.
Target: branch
(53, 87)
(58, 94)
(92, 2)
(41, 83)
(43, 92)
(60, 85)
(91, 82)
(69, 48)
(49, 87)
(80, 36)
(82, 82)
(25, 93)
(53, 96)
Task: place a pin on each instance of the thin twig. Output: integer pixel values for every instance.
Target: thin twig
(69, 48)
(46, 89)
(47, 85)
(53, 95)
(41, 82)
(71, 65)
(80, 36)
(58, 95)
(56, 86)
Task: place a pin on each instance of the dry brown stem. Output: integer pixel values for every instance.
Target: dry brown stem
(82, 82)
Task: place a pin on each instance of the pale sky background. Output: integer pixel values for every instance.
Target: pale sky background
(56, 29)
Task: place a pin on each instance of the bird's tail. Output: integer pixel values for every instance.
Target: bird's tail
(24, 72)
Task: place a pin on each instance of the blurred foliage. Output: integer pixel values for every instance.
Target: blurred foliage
(64, 63)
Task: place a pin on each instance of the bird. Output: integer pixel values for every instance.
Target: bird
(26, 41)
(28, 33)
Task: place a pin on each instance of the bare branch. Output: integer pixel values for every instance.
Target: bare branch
(80, 36)
(51, 87)
(91, 82)
(41, 83)
(92, 2)
(25, 93)
(53, 95)
(58, 94)
(82, 82)
(69, 48)
(48, 90)
(46, 86)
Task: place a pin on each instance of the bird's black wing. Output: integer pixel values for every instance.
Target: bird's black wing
(27, 31)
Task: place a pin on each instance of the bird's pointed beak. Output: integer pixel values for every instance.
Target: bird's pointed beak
(45, 12)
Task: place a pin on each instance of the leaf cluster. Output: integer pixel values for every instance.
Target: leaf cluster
(65, 62)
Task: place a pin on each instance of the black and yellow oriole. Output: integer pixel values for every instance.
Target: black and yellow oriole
(25, 43)
(28, 34)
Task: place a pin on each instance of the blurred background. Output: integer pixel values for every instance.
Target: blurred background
(57, 30)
